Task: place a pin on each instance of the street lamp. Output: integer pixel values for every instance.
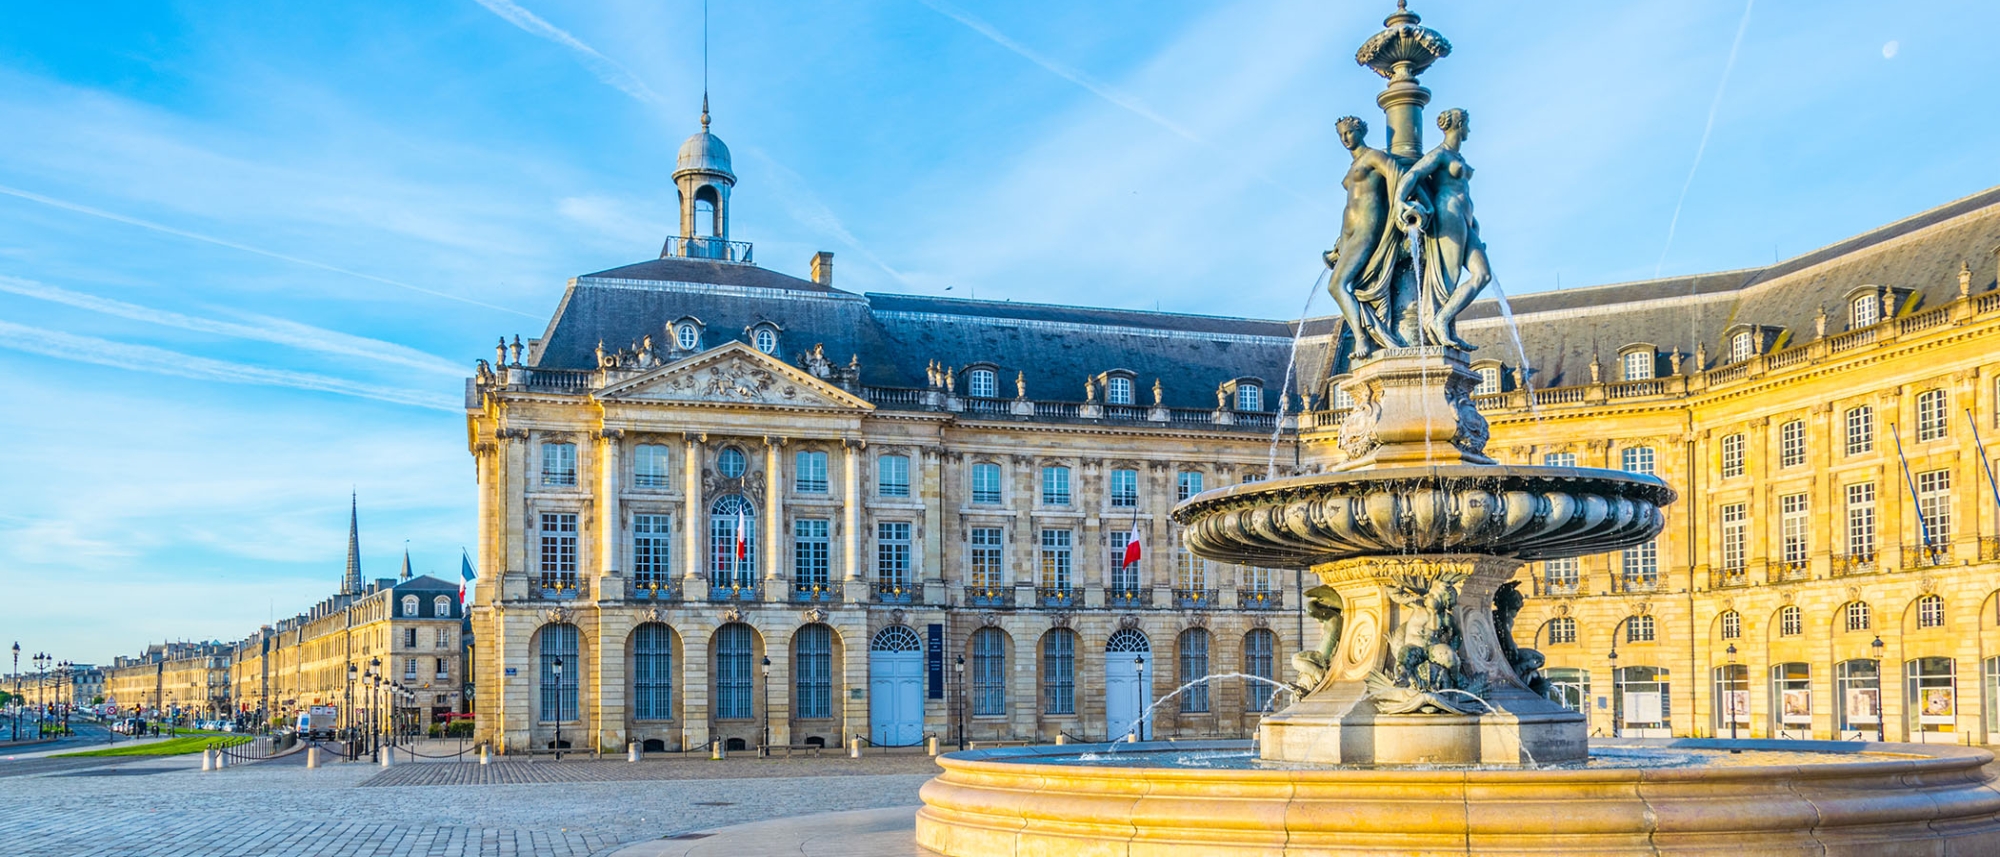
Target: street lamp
(65, 700)
(1139, 728)
(767, 705)
(1730, 709)
(41, 660)
(1616, 691)
(347, 707)
(557, 666)
(961, 702)
(16, 734)
(374, 674)
(1881, 711)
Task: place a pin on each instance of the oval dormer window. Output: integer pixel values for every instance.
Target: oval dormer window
(688, 336)
(731, 462)
(766, 340)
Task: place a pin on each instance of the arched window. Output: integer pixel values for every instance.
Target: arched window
(1562, 629)
(558, 691)
(896, 638)
(1118, 390)
(409, 605)
(766, 340)
(1249, 396)
(1742, 346)
(731, 462)
(1639, 629)
(1866, 310)
(1194, 666)
(1059, 671)
(1791, 621)
(989, 672)
(1930, 612)
(1857, 616)
(812, 667)
(705, 199)
(735, 647)
(1638, 365)
(1260, 658)
(441, 607)
(652, 672)
(1732, 625)
(1127, 640)
(1489, 380)
(982, 383)
(732, 554)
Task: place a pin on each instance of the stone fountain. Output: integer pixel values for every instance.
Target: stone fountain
(1419, 727)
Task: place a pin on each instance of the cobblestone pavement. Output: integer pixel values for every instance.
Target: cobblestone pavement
(154, 807)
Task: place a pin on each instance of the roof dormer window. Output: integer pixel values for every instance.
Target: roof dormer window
(765, 339)
(687, 335)
(1865, 310)
(982, 383)
(1118, 390)
(1249, 396)
(1742, 346)
(1638, 362)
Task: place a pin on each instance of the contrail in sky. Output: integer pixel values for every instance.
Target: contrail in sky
(1096, 87)
(146, 358)
(607, 69)
(196, 236)
(1742, 26)
(267, 329)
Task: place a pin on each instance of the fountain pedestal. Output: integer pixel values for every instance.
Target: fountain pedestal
(1412, 407)
(1343, 720)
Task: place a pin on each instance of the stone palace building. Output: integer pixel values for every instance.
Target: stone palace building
(718, 503)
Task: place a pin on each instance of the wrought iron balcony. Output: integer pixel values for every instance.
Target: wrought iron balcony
(561, 587)
(815, 593)
(989, 596)
(1558, 586)
(1260, 599)
(1723, 578)
(700, 247)
(894, 592)
(1637, 583)
(1845, 564)
(1930, 555)
(1195, 599)
(1791, 569)
(655, 589)
(722, 593)
(1059, 596)
(1140, 597)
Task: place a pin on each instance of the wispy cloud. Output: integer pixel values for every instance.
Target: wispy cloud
(160, 361)
(209, 239)
(806, 207)
(268, 329)
(1714, 105)
(607, 69)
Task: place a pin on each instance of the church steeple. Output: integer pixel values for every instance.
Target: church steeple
(703, 177)
(406, 562)
(351, 585)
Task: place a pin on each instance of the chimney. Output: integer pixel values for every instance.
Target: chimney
(822, 268)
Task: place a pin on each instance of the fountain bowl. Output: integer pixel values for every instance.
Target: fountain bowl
(1796, 798)
(1521, 512)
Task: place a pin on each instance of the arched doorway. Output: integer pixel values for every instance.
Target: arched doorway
(895, 687)
(1127, 693)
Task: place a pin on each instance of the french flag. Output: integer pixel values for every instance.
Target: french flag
(742, 544)
(1132, 549)
(465, 575)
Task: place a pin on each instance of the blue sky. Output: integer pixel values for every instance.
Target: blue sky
(248, 251)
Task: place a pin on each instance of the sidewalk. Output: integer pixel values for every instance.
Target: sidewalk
(7, 754)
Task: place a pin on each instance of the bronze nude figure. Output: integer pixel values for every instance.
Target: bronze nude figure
(1364, 257)
(1435, 196)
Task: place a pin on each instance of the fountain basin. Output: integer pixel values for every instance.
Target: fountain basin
(1523, 512)
(1805, 797)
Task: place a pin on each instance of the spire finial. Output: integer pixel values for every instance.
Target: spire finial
(351, 583)
(704, 111)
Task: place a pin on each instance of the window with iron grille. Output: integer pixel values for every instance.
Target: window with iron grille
(1791, 621)
(735, 647)
(1732, 625)
(559, 464)
(1636, 459)
(892, 553)
(652, 672)
(982, 383)
(1857, 615)
(1639, 629)
(1735, 536)
(1934, 500)
(652, 549)
(649, 466)
(1055, 485)
(1559, 459)
(1639, 365)
(1641, 565)
(1932, 421)
(1260, 657)
(1055, 558)
(558, 568)
(812, 554)
(985, 482)
(812, 666)
(1860, 430)
(1125, 489)
(1194, 666)
(1792, 444)
(988, 557)
(1861, 519)
(1795, 527)
(892, 476)
(558, 692)
(1059, 671)
(1732, 455)
(989, 673)
(1930, 612)
(1562, 629)
(810, 475)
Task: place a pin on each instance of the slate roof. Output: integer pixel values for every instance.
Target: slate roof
(1057, 347)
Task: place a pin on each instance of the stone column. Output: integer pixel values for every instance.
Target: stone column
(854, 586)
(609, 513)
(695, 670)
(693, 585)
(931, 493)
(515, 529)
(774, 521)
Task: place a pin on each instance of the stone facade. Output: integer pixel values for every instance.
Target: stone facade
(409, 632)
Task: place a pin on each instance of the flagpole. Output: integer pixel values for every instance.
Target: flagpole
(1923, 527)
(1991, 483)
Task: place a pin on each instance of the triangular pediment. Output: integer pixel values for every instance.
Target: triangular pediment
(734, 374)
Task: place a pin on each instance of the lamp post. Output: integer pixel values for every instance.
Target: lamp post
(41, 660)
(1139, 689)
(65, 675)
(1730, 709)
(766, 749)
(962, 698)
(1881, 711)
(347, 706)
(1616, 691)
(374, 674)
(557, 666)
(16, 734)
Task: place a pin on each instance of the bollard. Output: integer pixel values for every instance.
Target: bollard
(931, 745)
(208, 760)
(1062, 738)
(312, 756)
(221, 758)
(1131, 737)
(388, 757)
(715, 751)
(484, 756)
(632, 752)
(854, 747)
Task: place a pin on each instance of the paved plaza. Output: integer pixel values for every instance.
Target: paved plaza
(169, 807)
